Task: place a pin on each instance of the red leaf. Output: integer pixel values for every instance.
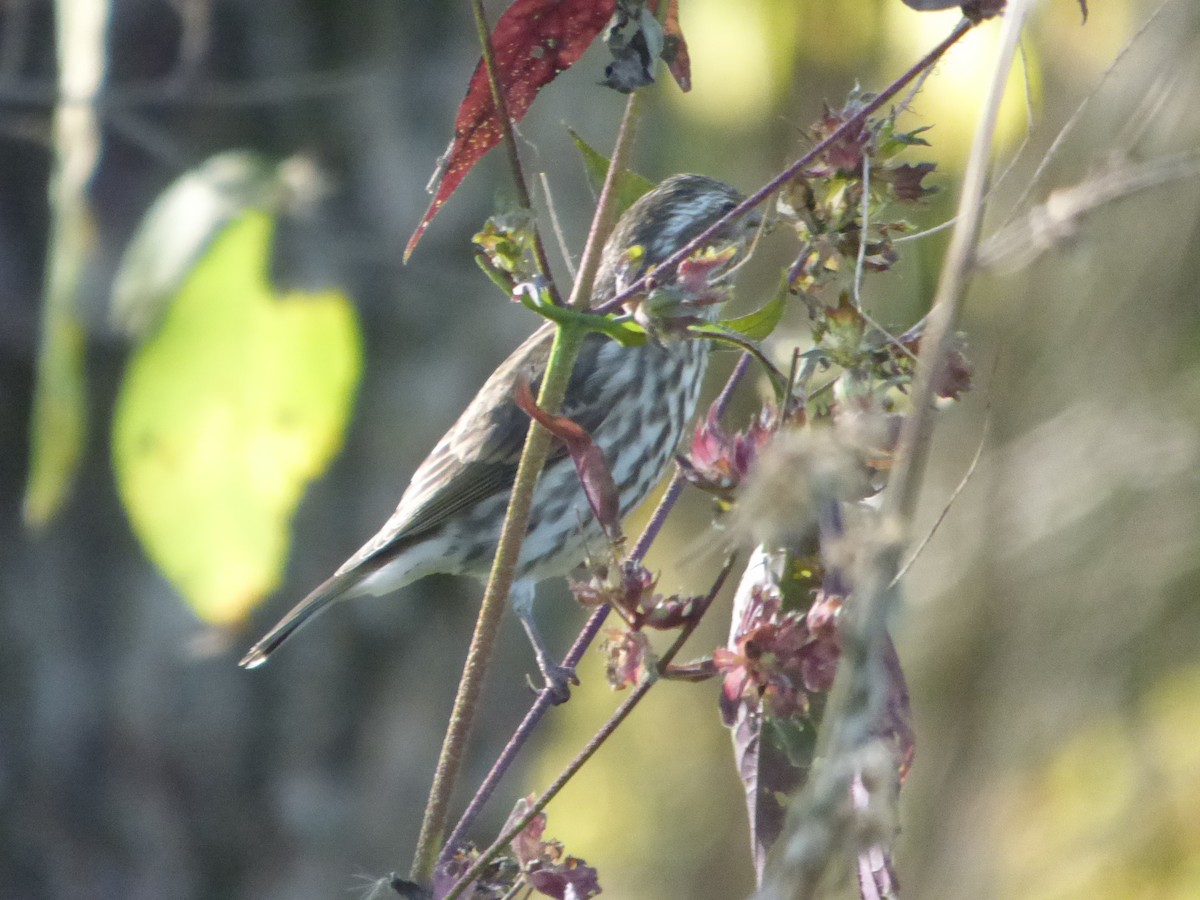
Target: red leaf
(594, 473)
(533, 42)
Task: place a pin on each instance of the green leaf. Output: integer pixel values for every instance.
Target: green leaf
(239, 399)
(715, 331)
(795, 737)
(630, 185)
(758, 325)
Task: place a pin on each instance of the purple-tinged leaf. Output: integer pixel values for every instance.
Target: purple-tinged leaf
(768, 778)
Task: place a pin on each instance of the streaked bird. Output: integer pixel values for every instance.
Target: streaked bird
(634, 401)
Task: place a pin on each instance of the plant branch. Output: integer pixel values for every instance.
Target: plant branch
(606, 207)
(495, 597)
(583, 641)
(174, 91)
(502, 571)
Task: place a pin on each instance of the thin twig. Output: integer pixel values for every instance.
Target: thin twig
(1077, 116)
(495, 597)
(950, 501)
(606, 207)
(860, 262)
(904, 483)
(589, 750)
(556, 226)
(1058, 219)
(854, 122)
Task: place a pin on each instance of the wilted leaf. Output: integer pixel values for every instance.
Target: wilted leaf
(768, 752)
(635, 40)
(533, 41)
(594, 473)
(238, 400)
(630, 185)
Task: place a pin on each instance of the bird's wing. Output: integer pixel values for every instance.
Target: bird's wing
(478, 457)
(475, 460)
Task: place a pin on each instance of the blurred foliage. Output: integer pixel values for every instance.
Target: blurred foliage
(227, 411)
(60, 408)
(1112, 813)
(61, 418)
(1051, 624)
(180, 226)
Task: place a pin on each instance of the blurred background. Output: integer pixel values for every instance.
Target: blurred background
(1051, 627)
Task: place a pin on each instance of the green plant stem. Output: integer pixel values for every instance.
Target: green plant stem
(565, 349)
(567, 340)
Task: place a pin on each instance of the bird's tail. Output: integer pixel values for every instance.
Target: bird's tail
(305, 611)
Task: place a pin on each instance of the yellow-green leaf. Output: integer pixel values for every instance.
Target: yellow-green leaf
(759, 324)
(630, 185)
(238, 400)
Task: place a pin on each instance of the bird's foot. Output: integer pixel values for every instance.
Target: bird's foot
(557, 681)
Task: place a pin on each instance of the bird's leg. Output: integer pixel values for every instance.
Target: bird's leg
(558, 678)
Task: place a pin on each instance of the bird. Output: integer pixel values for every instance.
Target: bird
(635, 402)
